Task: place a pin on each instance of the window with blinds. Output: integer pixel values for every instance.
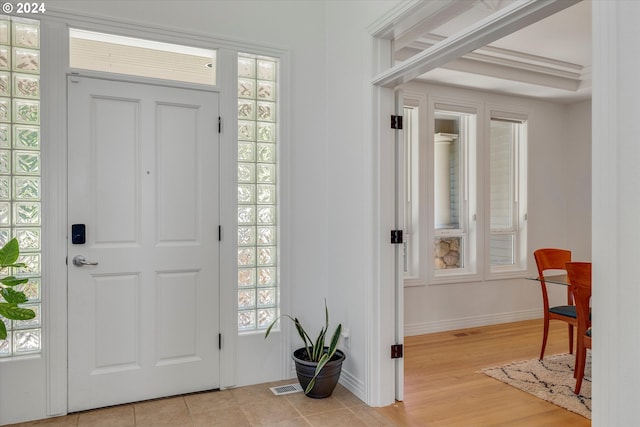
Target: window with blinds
(507, 193)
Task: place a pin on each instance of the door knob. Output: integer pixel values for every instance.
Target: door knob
(79, 261)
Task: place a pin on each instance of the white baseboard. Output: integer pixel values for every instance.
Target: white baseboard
(353, 384)
(470, 322)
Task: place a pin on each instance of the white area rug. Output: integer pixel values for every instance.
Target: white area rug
(550, 379)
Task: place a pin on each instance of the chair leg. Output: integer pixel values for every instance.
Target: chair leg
(545, 334)
(570, 338)
(581, 361)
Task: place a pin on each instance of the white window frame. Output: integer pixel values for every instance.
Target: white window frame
(469, 139)
(415, 272)
(520, 194)
(419, 194)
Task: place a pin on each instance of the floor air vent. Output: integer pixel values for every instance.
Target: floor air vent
(286, 389)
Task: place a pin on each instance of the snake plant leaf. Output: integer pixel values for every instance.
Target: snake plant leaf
(334, 341)
(323, 361)
(12, 296)
(13, 281)
(318, 347)
(326, 315)
(12, 311)
(3, 331)
(302, 332)
(9, 253)
(303, 335)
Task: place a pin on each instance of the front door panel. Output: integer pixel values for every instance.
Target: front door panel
(143, 180)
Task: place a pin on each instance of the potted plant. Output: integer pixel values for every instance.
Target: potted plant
(318, 367)
(9, 308)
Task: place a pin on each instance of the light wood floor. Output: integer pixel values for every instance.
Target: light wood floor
(445, 388)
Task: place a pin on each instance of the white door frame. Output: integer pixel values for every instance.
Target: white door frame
(51, 398)
(384, 310)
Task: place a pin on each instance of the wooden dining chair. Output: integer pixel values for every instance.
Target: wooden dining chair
(579, 274)
(555, 259)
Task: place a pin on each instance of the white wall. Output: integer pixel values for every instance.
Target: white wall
(350, 177)
(558, 216)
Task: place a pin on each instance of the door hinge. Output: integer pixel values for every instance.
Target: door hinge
(396, 351)
(219, 124)
(219, 341)
(396, 237)
(219, 233)
(396, 122)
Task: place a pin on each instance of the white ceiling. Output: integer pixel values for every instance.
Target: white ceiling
(550, 59)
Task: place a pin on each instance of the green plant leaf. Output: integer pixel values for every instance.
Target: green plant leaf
(12, 296)
(3, 330)
(9, 253)
(318, 347)
(268, 331)
(334, 341)
(326, 316)
(12, 311)
(13, 281)
(323, 361)
(301, 331)
(306, 339)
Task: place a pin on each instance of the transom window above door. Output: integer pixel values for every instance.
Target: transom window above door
(109, 53)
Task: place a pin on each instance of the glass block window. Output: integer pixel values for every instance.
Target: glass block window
(20, 169)
(257, 192)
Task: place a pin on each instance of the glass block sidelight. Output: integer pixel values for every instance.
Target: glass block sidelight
(20, 171)
(5, 135)
(5, 58)
(258, 291)
(5, 85)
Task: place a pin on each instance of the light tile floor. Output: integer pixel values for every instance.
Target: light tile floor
(244, 406)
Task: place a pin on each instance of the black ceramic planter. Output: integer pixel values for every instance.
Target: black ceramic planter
(326, 380)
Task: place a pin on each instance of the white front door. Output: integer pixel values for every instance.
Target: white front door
(143, 180)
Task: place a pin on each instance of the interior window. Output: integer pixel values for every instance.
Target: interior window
(462, 212)
(453, 203)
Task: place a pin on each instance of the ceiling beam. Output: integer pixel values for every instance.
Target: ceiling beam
(500, 24)
(427, 19)
(530, 76)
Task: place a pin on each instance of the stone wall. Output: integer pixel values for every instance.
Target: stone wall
(447, 253)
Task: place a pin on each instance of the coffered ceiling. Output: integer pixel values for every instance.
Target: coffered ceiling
(549, 59)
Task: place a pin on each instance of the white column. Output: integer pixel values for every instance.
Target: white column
(615, 212)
